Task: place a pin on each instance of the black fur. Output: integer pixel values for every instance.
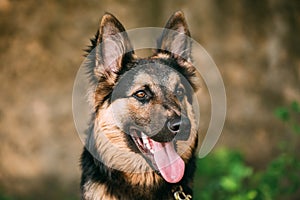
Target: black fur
(94, 171)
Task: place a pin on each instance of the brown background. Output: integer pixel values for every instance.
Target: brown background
(255, 44)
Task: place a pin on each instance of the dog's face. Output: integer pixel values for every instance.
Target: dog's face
(144, 106)
(151, 100)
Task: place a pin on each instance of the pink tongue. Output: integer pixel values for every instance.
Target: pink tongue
(169, 163)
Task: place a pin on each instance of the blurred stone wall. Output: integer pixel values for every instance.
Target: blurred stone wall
(255, 44)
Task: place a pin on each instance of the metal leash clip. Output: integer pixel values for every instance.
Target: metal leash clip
(180, 195)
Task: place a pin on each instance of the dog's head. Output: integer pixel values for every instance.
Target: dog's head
(144, 105)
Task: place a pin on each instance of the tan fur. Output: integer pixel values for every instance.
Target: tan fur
(155, 114)
(95, 191)
(144, 179)
(112, 145)
(162, 55)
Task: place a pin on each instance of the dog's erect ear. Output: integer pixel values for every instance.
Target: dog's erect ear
(113, 46)
(176, 37)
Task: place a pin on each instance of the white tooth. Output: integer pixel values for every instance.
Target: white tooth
(143, 135)
(148, 145)
(146, 141)
(151, 150)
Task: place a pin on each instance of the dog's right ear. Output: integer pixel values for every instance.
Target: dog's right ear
(175, 37)
(112, 47)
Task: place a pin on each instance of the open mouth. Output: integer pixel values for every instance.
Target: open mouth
(162, 156)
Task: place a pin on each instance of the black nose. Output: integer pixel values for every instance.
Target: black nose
(174, 124)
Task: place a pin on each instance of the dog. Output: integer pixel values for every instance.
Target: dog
(142, 136)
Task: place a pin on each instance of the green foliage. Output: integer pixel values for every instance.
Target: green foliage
(4, 197)
(290, 115)
(224, 174)
(282, 113)
(281, 178)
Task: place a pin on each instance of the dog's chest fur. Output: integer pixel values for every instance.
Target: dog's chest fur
(100, 183)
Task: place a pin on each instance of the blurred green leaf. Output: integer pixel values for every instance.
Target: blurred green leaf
(229, 184)
(295, 106)
(282, 113)
(240, 171)
(251, 194)
(296, 128)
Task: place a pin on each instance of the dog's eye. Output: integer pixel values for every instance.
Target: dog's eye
(180, 93)
(140, 95)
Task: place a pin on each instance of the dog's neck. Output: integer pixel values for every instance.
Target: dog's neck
(101, 182)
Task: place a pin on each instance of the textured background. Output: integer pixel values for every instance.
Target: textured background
(255, 44)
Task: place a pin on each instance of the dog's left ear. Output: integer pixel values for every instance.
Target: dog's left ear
(113, 46)
(175, 38)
